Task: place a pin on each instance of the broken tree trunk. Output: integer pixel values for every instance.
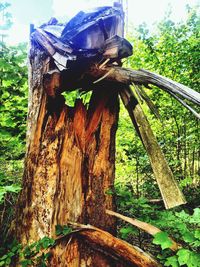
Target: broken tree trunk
(69, 165)
(172, 196)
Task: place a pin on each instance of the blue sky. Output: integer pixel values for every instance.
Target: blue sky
(25, 12)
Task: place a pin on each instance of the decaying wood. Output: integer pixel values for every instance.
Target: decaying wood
(171, 194)
(114, 246)
(70, 157)
(147, 227)
(69, 165)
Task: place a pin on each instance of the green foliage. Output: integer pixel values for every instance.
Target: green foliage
(14, 188)
(172, 51)
(127, 231)
(188, 258)
(35, 254)
(13, 99)
(63, 229)
(12, 250)
(163, 240)
(13, 113)
(182, 226)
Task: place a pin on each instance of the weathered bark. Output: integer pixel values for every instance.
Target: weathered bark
(69, 166)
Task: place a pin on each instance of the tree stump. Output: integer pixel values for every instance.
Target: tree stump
(69, 164)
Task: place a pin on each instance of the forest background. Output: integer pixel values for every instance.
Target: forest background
(173, 50)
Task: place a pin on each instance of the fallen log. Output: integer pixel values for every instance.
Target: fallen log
(113, 246)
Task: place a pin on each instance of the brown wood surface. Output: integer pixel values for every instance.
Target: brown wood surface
(69, 165)
(128, 76)
(70, 158)
(130, 255)
(171, 194)
(147, 227)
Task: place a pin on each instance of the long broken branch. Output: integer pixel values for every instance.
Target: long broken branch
(144, 77)
(114, 246)
(147, 227)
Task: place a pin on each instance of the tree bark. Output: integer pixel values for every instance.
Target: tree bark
(69, 165)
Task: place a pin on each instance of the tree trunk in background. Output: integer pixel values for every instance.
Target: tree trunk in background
(69, 165)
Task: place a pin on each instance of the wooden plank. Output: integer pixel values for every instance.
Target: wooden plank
(171, 194)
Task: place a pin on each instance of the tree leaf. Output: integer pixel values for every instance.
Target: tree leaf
(162, 239)
(172, 261)
(197, 233)
(183, 256)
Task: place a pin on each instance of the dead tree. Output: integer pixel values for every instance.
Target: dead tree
(70, 158)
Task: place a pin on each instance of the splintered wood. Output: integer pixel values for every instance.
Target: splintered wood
(70, 157)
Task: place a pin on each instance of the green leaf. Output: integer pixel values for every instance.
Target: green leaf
(59, 229)
(196, 244)
(197, 234)
(195, 217)
(14, 188)
(47, 242)
(188, 257)
(26, 263)
(11, 254)
(183, 256)
(66, 230)
(47, 255)
(3, 257)
(63, 229)
(38, 247)
(15, 248)
(162, 239)
(194, 259)
(27, 251)
(125, 231)
(188, 237)
(5, 95)
(172, 261)
(109, 192)
(8, 261)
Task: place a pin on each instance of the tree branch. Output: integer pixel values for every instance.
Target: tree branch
(143, 77)
(148, 228)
